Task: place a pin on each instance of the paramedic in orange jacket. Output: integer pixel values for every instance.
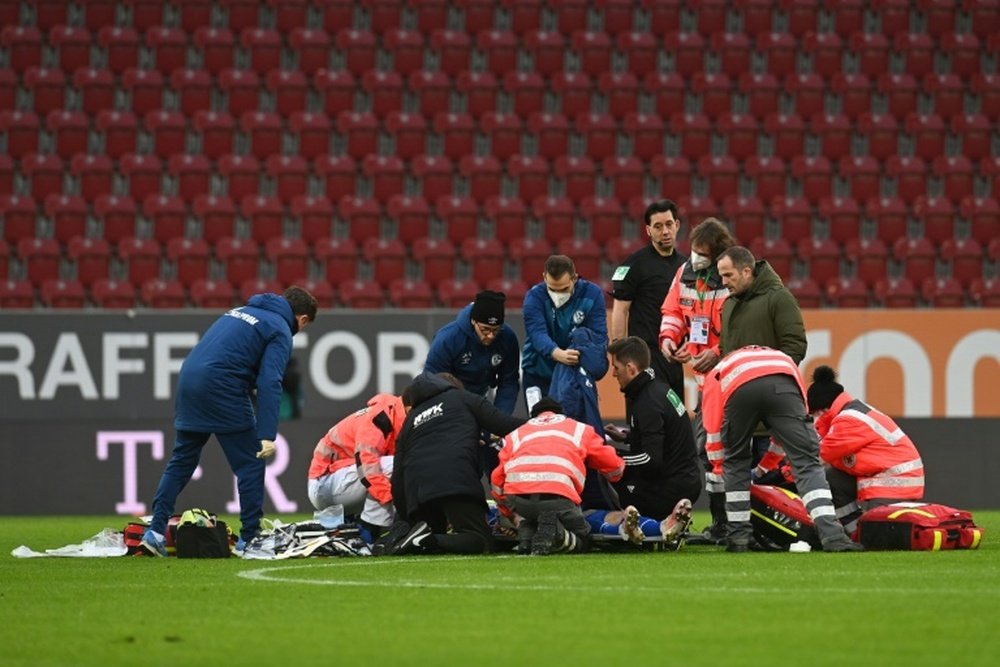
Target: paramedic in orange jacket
(871, 461)
(757, 384)
(689, 334)
(540, 474)
(352, 463)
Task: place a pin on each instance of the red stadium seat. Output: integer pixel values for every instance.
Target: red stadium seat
(339, 258)
(362, 294)
(263, 129)
(336, 89)
(240, 257)
(937, 214)
(48, 88)
(437, 258)
(604, 216)
(360, 130)
(94, 175)
(146, 14)
(191, 258)
(513, 289)
(457, 292)
(826, 51)
(551, 132)
(407, 293)
(217, 215)
(504, 131)
(460, 216)
(6, 175)
(846, 292)
(45, 173)
(741, 132)
(478, 14)
(778, 254)
(68, 214)
(526, 91)
(431, 15)
(694, 132)
(600, 134)
(160, 293)
(339, 175)
(668, 90)
(509, 216)
(216, 130)
(168, 47)
(940, 16)
(289, 89)
(696, 209)
(781, 52)
(956, 176)
(822, 257)
(943, 293)
(769, 175)
(290, 257)
(974, 131)
(619, 249)
(117, 215)
(358, 48)
(192, 174)
(290, 174)
(870, 259)
(322, 291)
(966, 259)
(881, 131)
(843, 218)
(626, 176)
(794, 214)
(863, 176)
(454, 50)
(646, 132)
(910, 176)
(193, 88)
(143, 173)
(746, 217)
(8, 88)
(312, 131)
(808, 92)
(486, 258)
(458, 134)
(23, 45)
(63, 294)
(556, 216)
(896, 293)
(113, 294)
(141, 258)
(983, 216)
(258, 286)
(987, 88)
(216, 45)
(385, 89)
(96, 88)
(312, 48)
(918, 256)
(547, 49)
(890, 217)
(947, 92)
(69, 130)
(986, 293)
(640, 51)
(806, 292)
(145, 89)
(314, 215)
(816, 176)
(242, 174)
(412, 216)
(721, 174)
(900, 92)
(265, 215)
(263, 48)
(436, 176)
(586, 255)
(168, 130)
(734, 51)
(432, 90)
(855, 92)
(168, 217)
(530, 254)
(688, 51)
(834, 132)
(593, 50)
(384, 14)
(917, 51)
(673, 174)
(664, 15)
(577, 175)
(16, 294)
(21, 128)
(388, 259)
(531, 173)
(483, 175)
(242, 89)
(928, 134)
(480, 90)
(92, 258)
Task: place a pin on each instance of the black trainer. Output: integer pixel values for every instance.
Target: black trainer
(543, 542)
(842, 545)
(384, 544)
(412, 541)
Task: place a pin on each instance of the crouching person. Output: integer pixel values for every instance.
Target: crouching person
(436, 479)
(541, 473)
(353, 462)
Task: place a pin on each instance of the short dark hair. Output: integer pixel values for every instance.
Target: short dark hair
(301, 301)
(631, 349)
(559, 265)
(661, 206)
(741, 257)
(547, 404)
(714, 234)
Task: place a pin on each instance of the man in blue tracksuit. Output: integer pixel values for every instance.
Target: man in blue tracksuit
(248, 347)
(553, 308)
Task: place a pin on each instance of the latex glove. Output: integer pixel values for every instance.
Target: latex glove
(266, 449)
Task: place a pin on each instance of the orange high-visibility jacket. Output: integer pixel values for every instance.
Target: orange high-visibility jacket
(550, 454)
(863, 442)
(735, 370)
(360, 439)
(690, 296)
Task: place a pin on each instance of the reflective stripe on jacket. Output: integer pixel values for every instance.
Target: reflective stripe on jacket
(689, 296)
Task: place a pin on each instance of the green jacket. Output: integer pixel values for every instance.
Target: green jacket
(765, 314)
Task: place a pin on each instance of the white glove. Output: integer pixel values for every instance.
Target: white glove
(266, 449)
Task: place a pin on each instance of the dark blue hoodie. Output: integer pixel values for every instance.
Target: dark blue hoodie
(246, 347)
(456, 349)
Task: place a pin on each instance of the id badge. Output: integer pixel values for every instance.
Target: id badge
(699, 329)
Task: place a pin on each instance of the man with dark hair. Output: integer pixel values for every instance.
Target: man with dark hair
(640, 284)
(552, 309)
(247, 348)
(541, 474)
(661, 467)
(436, 479)
(691, 322)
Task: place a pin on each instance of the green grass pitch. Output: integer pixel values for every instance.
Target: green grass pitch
(699, 606)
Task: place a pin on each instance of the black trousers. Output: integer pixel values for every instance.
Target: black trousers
(467, 517)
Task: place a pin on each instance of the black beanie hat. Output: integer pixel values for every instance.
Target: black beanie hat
(488, 307)
(824, 390)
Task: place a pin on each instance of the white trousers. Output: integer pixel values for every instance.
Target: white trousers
(344, 488)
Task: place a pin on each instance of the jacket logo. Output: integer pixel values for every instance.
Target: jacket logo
(578, 317)
(496, 360)
(850, 460)
(429, 414)
(687, 303)
(465, 359)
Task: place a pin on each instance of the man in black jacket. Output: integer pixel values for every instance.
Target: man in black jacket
(436, 474)
(661, 465)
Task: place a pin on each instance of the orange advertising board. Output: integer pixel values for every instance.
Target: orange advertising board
(907, 363)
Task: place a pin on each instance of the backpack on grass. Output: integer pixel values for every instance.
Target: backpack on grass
(133, 536)
(779, 518)
(918, 527)
(201, 534)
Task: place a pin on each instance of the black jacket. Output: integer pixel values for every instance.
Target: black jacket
(437, 450)
(662, 459)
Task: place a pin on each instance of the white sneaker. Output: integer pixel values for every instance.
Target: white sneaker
(629, 527)
(674, 526)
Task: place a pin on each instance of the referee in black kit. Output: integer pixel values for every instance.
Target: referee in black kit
(641, 283)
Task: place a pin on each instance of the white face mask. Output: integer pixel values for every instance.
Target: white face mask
(700, 262)
(559, 298)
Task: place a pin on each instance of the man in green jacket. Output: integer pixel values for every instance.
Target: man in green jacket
(760, 310)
